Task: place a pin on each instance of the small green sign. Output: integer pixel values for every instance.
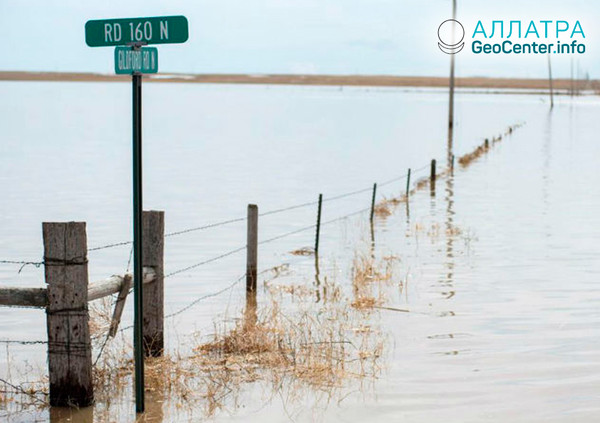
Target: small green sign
(119, 32)
(143, 60)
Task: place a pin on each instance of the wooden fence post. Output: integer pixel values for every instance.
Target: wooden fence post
(69, 346)
(153, 239)
(252, 250)
(408, 184)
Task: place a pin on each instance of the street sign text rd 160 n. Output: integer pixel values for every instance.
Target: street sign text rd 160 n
(155, 30)
(129, 35)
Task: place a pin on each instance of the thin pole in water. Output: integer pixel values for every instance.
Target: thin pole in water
(373, 201)
(137, 241)
(432, 178)
(318, 224)
(451, 100)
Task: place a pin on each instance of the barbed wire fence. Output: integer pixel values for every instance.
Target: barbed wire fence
(15, 389)
(23, 263)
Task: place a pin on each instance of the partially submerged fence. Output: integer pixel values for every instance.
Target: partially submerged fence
(67, 293)
(66, 298)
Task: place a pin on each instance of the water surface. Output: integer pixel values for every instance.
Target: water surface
(497, 267)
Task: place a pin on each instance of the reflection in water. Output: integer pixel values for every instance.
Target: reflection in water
(154, 409)
(65, 414)
(317, 278)
(450, 233)
(408, 198)
(547, 156)
(372, 239)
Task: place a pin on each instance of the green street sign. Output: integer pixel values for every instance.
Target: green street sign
(119, 32)
(128, 61)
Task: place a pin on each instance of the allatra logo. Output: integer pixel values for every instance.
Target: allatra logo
(448, 32)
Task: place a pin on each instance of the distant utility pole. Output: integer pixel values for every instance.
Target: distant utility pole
(451, 106)
(550, 79)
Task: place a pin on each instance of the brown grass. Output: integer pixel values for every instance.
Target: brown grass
(467, 159)
(309, 346)
(304, 251)
(368, 276)
(385, 207)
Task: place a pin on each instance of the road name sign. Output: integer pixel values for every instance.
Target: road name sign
(128, 60)
(153, 30)
(129, 35)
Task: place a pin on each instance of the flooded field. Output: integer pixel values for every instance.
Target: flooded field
(477, 301)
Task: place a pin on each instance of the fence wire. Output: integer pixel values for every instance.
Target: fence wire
(16, 341)
(267, 213)
(22, 263)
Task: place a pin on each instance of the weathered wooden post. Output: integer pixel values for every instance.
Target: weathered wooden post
(69, 347)
(318, 234)
(486, 143)
(252, 250)
(153, 231)
(408, 184)
(373, 201)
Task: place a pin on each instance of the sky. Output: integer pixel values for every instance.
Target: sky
(371, 37)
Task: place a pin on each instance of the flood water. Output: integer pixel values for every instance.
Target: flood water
(498, 268)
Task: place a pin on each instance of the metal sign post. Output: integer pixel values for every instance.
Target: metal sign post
(136, 60)
(136, 84)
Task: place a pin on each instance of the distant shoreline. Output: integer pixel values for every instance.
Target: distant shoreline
(331, 80)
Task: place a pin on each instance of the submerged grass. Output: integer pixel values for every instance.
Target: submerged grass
(304, 251)
(320, 347)
(368, 275)
(466, 159)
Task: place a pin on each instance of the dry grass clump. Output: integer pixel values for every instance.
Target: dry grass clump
(384, 208)
(311, 346)
(304, 251)
(15, 398)
(295, 290)
(367, 275)
(366, 270)
(100, 318)
(466, 159)
(421, 183)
